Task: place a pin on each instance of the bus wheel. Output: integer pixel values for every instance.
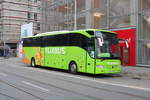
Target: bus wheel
(73, 68)
(33, 62)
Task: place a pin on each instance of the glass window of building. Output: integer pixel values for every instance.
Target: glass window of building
(35, 1)
(146, 27)
(0, 14)
(99, 20)
(145, 4)
(80, 5)
(101, 4)
(99, 13)
(144, 52)
(38, 26)
(121, 7)
(81, 23)
(144, 41)
(35, 16)
(124, 21)
(62, 9)
(29, 15)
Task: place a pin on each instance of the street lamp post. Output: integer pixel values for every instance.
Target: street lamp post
(75, 14)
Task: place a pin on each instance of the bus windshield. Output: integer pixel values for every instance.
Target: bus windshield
(107, 46)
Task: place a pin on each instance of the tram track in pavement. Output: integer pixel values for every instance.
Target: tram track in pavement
(48, 84)
(23, 87)
(8, 96)
(81, 84)
(16, 87)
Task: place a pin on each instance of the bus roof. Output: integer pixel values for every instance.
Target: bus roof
(82, 31)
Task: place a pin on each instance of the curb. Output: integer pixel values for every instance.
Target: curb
(136, 75)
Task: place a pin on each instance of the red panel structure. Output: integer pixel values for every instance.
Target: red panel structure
(128, 55)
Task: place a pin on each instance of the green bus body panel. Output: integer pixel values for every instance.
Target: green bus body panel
(90, 64)
(61, 61)
(60, 57)
(109, 66)
(42, 58)
(32, 52)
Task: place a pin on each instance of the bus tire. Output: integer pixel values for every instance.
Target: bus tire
(73, 68)
(33, 62)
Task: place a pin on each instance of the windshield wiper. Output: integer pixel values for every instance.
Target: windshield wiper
(103, 58)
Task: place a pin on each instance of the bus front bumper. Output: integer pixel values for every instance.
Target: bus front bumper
(108, 69)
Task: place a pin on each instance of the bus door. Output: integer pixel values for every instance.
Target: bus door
(90, 64)
(90, 59)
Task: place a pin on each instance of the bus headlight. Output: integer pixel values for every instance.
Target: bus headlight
(100, 66)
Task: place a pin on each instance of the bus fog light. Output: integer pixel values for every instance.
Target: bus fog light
(100, 66)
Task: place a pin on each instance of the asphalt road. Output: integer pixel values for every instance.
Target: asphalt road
(21, 82)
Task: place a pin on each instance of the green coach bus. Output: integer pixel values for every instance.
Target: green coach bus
(89, 51)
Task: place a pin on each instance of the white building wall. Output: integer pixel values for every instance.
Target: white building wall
(14, 13)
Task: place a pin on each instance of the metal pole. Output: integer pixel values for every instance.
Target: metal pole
(75, 14)
(138, 31)
(4, 49)
(108, 5)
(67, 15)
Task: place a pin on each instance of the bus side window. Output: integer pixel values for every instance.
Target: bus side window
(74, 39)
(24, 42)
(27, 42)
(83, 42)
(49, 41)
(90, 47)
(34, 42)
(42, 41)
(64, 40)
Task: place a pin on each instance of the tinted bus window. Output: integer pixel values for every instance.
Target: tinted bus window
(27, 42)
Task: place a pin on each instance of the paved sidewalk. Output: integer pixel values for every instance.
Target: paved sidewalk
(136, 72)
(3, 58)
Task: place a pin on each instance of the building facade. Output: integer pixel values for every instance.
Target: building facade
(13, 14)
(102, 14)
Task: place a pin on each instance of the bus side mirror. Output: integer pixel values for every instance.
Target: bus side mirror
(100, 41)
(126, 42)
